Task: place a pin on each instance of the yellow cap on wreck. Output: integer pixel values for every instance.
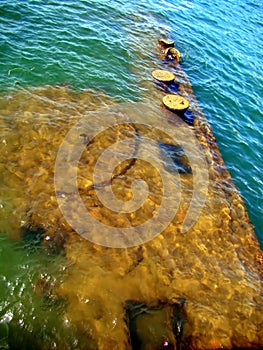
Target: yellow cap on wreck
(176, 103)
(163, 75)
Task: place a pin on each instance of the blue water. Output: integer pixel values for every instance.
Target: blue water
(107, 45)
(223, 51)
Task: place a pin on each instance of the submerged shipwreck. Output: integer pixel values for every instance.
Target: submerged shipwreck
(193, 282)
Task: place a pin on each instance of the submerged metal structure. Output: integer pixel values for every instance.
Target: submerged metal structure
(200, 289)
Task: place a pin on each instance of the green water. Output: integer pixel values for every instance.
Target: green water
(74, 43)
(25, 316)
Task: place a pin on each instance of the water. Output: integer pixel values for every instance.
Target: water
(223, 49)
(105, 51)
(98, 47)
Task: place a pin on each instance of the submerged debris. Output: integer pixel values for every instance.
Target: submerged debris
(175, 158)
(158, 326)
(173, 54)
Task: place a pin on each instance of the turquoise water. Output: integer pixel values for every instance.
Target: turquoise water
(223, 50)
(107, 45)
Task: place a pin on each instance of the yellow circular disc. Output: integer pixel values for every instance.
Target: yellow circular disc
(163, 75)
(176, 103)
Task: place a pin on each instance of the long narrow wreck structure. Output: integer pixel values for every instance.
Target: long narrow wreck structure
(195, 283)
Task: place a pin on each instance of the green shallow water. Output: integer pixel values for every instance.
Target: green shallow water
(99, 54)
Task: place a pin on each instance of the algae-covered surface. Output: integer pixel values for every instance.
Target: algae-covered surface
(214, 266)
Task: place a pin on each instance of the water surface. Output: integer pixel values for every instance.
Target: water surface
(60, 60)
